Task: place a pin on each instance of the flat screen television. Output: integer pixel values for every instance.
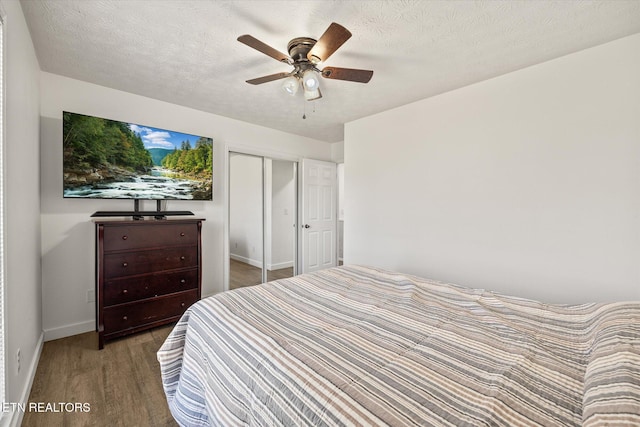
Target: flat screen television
(109, 159)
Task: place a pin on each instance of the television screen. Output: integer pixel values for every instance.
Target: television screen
(108, 159)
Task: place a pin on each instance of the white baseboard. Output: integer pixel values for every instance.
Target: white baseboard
(15, 419)
(256, 263)
(249, 261)
(69, 330)
(279, 265)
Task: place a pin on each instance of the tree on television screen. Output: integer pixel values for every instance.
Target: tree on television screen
(93, 142)
(192, 161)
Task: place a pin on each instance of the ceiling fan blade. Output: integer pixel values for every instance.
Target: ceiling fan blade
(329, 42)
(349, 74)
(264, 48)
(269, 78)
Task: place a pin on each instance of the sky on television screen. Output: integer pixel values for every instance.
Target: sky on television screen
(161, 138)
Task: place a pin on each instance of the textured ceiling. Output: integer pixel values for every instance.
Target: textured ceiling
(186, 53)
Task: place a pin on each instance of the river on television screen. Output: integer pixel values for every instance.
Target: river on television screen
(154, 186)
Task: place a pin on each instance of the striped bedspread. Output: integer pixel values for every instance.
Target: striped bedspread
(357, 346)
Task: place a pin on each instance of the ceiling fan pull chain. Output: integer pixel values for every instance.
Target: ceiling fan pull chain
(304, 109)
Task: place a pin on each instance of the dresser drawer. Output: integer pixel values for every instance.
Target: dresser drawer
(118, 291)
(136, 314)
(142, 262)
(125, 237)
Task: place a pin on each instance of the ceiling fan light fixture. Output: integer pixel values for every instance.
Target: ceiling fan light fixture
(310, 81)
(311, 95)
(290, 85)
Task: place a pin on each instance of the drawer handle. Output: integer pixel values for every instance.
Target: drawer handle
(182, 258)
(182, 305)
(124, 318)
(125, 291)
(182, 234)
(182, 281)
(125, 264)
(125, 237)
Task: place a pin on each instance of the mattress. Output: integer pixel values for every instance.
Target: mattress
(360, 346)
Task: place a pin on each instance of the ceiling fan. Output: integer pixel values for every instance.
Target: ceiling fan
(304, 55)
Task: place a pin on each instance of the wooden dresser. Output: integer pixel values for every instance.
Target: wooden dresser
(147, 273)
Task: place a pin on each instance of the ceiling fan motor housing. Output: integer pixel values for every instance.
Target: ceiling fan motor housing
(298, 49)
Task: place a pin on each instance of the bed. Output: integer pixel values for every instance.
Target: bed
(360, 346)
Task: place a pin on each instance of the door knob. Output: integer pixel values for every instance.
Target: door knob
(306, 226)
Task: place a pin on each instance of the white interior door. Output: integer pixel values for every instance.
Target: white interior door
(319, 215)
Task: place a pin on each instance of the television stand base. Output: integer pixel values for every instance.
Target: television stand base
(137, 215)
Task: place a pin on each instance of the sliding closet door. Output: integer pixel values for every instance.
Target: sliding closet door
(262, 219)
(246, 231)
(281, 214)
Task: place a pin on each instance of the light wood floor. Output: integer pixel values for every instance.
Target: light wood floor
(121, 383)
(242, 274)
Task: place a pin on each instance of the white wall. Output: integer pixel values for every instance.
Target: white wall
(22, 204)
(528, 184)
(337, 152)
(340, 170)
(67, 232)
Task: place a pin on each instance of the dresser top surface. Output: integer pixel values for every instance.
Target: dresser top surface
(147, 221)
